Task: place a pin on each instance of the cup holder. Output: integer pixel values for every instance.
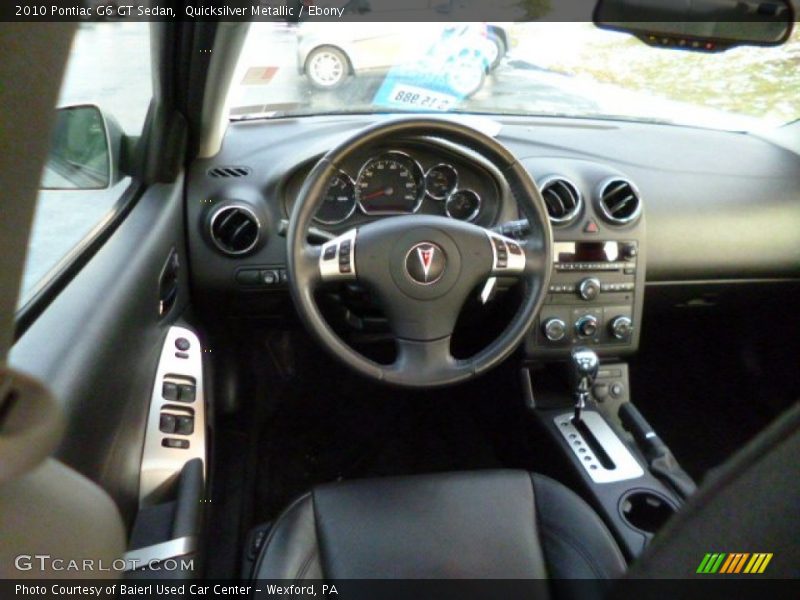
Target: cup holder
(645, 510)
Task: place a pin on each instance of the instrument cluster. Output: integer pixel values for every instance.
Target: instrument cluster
(393, 182)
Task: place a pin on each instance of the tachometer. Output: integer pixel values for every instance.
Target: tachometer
(392, 183)
(463, 205)
(340, 200)
(441, 181)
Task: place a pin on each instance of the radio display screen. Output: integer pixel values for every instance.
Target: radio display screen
(571, 252)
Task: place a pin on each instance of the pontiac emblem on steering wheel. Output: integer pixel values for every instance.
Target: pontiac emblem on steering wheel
(425, 263)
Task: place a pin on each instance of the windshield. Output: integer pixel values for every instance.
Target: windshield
(550, 69)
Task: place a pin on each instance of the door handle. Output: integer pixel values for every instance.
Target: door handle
(168, 283)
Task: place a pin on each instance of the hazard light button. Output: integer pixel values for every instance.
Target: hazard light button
(591, 227)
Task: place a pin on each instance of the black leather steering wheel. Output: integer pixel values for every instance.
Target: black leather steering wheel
(421, 268)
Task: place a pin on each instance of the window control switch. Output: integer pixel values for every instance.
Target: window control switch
(184, 426)
(175, 443)
(167, 423)
(169, 391)
(186, 393)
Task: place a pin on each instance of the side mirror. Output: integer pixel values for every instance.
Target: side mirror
(85, 150)
(701, 25)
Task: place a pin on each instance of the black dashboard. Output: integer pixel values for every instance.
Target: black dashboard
(717, 207)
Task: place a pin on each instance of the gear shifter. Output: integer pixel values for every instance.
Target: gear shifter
(584, 365)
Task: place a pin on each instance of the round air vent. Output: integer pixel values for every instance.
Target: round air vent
(562, 198)
(619, 201)
(234, 229)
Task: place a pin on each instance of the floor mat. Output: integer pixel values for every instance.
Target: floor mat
(331, 424)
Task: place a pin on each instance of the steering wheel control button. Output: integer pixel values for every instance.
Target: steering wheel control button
(169, 391)
(586, 326)
(425, 263)
(621, 328)
(336, 260)
(589, 288)
(554, 329)
(507, 255)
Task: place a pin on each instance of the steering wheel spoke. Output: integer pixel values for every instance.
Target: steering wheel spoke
(428, 359)
(337, 258)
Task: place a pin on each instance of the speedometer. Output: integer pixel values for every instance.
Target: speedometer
(339, 202)
(391, 183)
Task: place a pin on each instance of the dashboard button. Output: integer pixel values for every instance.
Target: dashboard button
(554, 329)
(248, 277)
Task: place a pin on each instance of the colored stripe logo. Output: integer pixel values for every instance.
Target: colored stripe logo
(735, 562)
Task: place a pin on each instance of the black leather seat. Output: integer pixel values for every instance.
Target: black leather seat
(481, 524)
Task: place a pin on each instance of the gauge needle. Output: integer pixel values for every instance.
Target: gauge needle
(384, 192)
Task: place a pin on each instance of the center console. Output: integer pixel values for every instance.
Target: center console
(606, 447)
(594, 299)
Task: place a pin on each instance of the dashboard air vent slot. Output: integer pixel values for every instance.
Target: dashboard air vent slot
(234, 229)
(619, 201)
(228, 172)
(562, 199)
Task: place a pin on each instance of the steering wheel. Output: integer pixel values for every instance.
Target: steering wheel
(421, 268)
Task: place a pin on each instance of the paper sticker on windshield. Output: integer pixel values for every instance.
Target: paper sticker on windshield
(394, 94)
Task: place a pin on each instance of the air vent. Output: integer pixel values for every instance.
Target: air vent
(562, 198)
(234, 229)
(228, 172)
(619, 201)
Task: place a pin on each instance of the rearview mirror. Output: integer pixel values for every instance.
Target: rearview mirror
(703, 25)
(84, 152)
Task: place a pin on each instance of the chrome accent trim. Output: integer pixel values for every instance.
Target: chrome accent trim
(161, 465)
(215, 215)
(572, 215)
(329, 269)
(341, 173)
(141, 557)
(474, 213)
(439, 166)
(515, 263)
(625, 465)
(606, 215)
(420, 178)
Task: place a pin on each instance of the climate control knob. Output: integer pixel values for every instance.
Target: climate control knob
(554, 329)
(589, 288)
(586, 326)
(621, 327)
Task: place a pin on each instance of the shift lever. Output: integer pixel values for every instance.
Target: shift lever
(584, 365)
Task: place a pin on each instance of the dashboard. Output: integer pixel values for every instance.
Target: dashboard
(708, 207)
